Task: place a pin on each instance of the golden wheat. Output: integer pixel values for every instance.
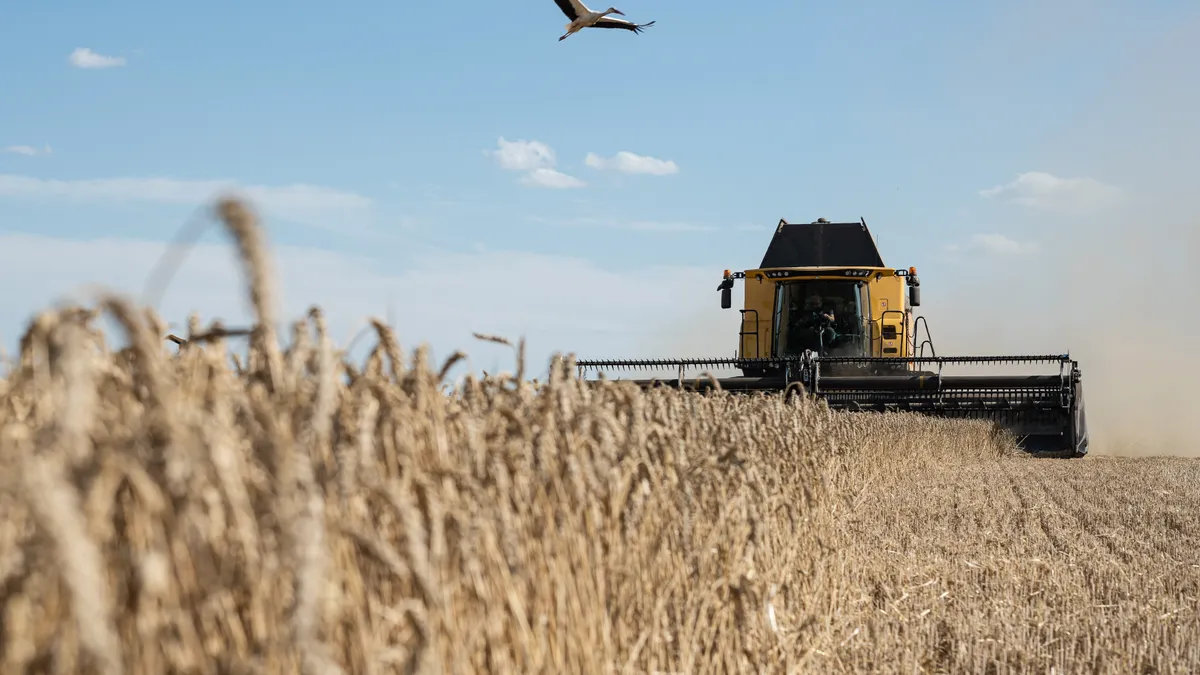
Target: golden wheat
(285, 511)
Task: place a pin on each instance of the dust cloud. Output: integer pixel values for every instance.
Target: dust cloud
(1112, 284)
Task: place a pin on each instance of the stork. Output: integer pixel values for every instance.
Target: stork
(581, 17)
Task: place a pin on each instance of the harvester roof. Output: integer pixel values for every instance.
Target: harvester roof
(821, 244)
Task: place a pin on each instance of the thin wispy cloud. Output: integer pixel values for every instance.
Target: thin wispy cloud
(1042, 190)
(84, 57)
(28, 150)
(538, 162)
(301, 202)
(550, 178)
(628, 162)
(994, 244)
(664, 226)
(600, 311)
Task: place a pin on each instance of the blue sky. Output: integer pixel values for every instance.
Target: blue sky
(388, 116)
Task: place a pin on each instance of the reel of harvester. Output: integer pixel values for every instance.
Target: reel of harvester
(1044, 412)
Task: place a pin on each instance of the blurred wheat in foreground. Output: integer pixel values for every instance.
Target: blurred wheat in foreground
(186, 511)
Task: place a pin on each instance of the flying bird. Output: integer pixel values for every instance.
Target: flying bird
(581, 17)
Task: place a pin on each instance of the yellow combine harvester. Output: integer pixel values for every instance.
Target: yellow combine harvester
(824, 312)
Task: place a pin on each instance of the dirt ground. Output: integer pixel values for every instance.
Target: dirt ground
(962, 566)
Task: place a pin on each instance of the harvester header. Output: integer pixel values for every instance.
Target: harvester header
(823, 313)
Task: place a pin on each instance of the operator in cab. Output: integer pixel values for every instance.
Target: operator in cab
(814, 318)
(820, 316)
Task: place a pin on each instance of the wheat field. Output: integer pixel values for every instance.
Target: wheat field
(192, 509)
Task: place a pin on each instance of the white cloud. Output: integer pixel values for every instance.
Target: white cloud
(536, 159)
(311, 204)
(628, 162)
(995, 244)
(1041, 190)
(84, 57)
(28, 150)
(523, 155)
(597, 314)
(550, 178)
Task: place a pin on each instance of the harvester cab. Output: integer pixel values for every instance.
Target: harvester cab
(821, 291)
(823, 312)
(819, 312)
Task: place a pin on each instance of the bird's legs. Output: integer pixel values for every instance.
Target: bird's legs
(583, 22)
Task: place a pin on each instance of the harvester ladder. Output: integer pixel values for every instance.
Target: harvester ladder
(902, 337)
(743, 334)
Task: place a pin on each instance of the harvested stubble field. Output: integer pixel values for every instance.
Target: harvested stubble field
(183, 511)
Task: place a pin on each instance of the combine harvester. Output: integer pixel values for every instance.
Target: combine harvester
(823, 312)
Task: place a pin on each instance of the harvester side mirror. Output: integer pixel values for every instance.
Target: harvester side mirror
(726, 289)
(914, 296)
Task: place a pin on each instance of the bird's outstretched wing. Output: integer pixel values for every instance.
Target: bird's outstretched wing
(569, 7)
(609, 22)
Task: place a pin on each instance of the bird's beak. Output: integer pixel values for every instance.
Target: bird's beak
(619, 12)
